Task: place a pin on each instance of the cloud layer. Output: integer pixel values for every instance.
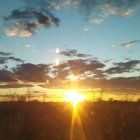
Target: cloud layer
(90, 73)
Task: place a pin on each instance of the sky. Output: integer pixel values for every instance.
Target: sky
(49, 44)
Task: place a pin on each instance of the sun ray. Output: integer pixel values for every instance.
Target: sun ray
(77, 131)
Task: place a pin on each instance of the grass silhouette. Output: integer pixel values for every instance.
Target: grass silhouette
(101, 120)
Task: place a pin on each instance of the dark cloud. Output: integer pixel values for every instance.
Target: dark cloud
(132, 65)
(31, 72)
(73, 53)
(15, 59)
(108, 60)
(91, 73)
(7, 76)
(25, 22)
(4, 54)
(4, 60)
(79, 67)
(5, 57)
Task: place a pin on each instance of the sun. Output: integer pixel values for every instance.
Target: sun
(74, 97)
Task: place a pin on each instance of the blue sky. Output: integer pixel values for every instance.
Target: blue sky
(106, 31)
(96, 40)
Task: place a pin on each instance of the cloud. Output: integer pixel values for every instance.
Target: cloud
(15, 59)
(73, 53)
(58, 4)
(80, 68)
(124, 67)
(4, 54)
(4, 60)
(86, 29)
(127, 44)
(109, 9)
(7, 76)
(25, 22)
(98, 10)
(91, 73)
(95, 21)
(14, 85)
(108, 61)
(5, 57)
(29, 46)
(31, 72)
(90, 4)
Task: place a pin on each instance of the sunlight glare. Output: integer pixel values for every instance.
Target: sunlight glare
(74, 97)
(57, 50)
(57, 62)
(72, 77)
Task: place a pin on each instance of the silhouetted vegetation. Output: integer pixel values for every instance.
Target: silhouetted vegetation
(101, 120)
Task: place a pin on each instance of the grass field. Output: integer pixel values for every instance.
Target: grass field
(111, 120)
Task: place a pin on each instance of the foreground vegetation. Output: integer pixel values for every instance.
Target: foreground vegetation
(112, 120)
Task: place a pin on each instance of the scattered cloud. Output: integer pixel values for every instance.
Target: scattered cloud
(73, 53)
(4, 54)
(31, 72)
(79, 67)
(4, 60)
(109, 10)
(101, 9)
(5, 57)
(127, 44)
(90, 73)
(123, 67)
(92, 4)
(87, 29)
(95, 21)
(7, 76)
(26, 21)
(108, 61)
(29, 46)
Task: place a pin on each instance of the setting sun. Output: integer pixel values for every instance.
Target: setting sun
(74, 97)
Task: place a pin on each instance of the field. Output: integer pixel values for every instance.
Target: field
(110, 120)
